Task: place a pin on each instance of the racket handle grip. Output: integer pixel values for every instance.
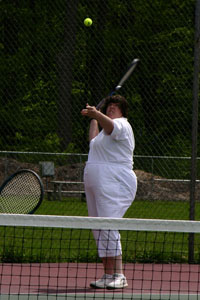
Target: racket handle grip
(100, 104)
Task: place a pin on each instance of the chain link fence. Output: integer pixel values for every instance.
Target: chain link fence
(157, 197)
(52, 65)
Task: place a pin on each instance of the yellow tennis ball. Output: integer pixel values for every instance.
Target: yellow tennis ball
(88, 22)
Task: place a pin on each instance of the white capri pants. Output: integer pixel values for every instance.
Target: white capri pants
(110, 190)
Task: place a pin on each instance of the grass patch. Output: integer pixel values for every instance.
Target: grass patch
(61, 245)
(64, 245)
(145, 209)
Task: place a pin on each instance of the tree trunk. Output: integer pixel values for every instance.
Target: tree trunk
(65, 65)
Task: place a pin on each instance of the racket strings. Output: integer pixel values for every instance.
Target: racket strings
(21, 194)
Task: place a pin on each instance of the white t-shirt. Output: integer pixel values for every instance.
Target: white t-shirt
(117, 147)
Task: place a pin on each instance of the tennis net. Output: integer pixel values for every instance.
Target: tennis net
(55, 257)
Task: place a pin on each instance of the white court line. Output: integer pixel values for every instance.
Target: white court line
(99, 296)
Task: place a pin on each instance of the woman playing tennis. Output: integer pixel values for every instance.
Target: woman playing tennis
(110, 182)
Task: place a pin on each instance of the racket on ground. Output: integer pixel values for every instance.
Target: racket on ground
(126, 75)
(21, 193)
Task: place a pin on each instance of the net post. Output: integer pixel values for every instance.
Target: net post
(194, 127)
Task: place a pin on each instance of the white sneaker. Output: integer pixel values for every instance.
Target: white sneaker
(103, 282)
(119, 282)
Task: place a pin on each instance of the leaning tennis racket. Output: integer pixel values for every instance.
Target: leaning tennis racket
(21, 193)
(126, 75)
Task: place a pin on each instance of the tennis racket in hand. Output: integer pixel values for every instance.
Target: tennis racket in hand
(126, 75)
(21, 193)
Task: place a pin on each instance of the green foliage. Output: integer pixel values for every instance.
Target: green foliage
(39, 48)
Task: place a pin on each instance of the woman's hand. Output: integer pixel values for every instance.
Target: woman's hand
(90, 111)
(104, 121)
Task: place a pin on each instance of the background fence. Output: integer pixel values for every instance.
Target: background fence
(52, 65)
(157, 197)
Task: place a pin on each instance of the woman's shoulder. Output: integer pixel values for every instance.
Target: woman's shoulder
(120, 120)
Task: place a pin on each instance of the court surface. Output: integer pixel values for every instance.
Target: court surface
(71, 281)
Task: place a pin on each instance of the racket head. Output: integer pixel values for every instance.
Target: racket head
(21, 193)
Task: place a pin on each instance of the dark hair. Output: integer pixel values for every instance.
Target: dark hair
(121, 101)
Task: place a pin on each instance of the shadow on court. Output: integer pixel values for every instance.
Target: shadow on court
(74, 279)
